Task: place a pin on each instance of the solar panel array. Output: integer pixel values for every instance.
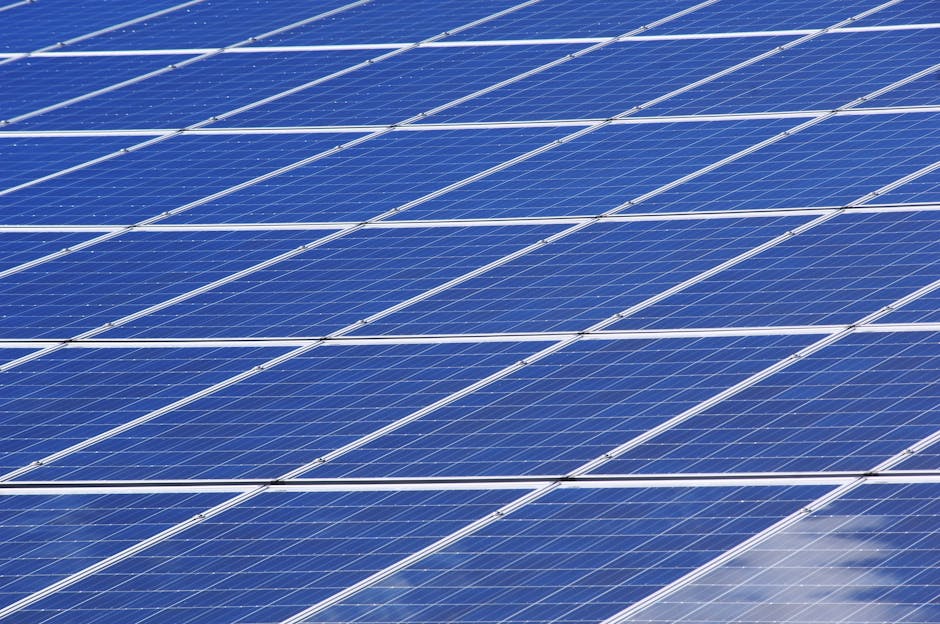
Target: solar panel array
(494, 311)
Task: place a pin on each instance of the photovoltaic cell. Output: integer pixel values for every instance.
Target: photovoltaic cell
(268, 558)
(599, 171)
(907, 12)
(837, 272)
(849, 406)
(610, 80)
(48, 537)
(403, 86)
(41, 24)
(34, 83)
(25, 160)
(336, 284)
(743, 16)
(104, 282)
(923, 189)
(571, 18)
(71, 395)
(574, 556)
(866, 557)
(920, 92)
(581, 279)
(209, 24)
(20, 247)
(144, 183)
(924, 309)
(560, 412)
(821, 74)
(369, 179)
(832, 163)
(390, 22)
(289, 415)
(192, 93)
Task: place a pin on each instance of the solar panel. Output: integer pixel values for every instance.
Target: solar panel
(530, 311)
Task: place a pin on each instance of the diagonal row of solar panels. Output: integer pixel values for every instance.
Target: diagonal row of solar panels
(604, 361)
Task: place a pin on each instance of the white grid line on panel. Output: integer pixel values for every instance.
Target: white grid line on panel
(15, 56)
(16, 4)
(51, 52)
(175, 66)
(482, 125)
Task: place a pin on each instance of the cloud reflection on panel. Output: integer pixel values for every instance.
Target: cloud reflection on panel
(822, 569)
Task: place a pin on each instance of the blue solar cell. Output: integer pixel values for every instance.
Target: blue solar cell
(574, 18)
(68, 396)
(924, 309)
(267, 558)
(869, 556)
(837, 272)
(210, 24)
(191, 93)
(289, 415)
(584, 278)
(403, 86)
(389, 22)
(25, 160)
(848, 407)
(923, 189)
(20, 247)
(336, 284)
(599, 171)
(144, 183)
(907, 12)
(920, 92)
(565, 410)
(611, 80)
(832, 163)
(34, 83)
(821, 74)
(574, 556)
(48, 537)
(364, 181)
(99, 284)
(745, 15)
(37, 25)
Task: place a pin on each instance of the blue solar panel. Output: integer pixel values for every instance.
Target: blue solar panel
(48, 537)
(920, 92)
(192, 93)
(210, 24)
(144, 183)
(924, 309)
(268, 558)
(289, 415)
(824, 73)
(575, 556)
(610, 80)
(20, 247)
(745, 15)
(574, 18)
(34, 83)
(599, 171)
(403, 86)
(923, 189)
(837, 272)
(336, 284)
(565, 410)
(68, 396)
(584, 278)
(830, 164)
(868, 557)
(848, 407)
(364, 181)
(126, 274)
(25, 160)
(39, 24)
(390, 22)
(907, 12)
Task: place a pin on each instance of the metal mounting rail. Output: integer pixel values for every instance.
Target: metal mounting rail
(15, 56)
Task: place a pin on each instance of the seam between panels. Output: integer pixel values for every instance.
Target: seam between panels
(61, 44)
(404, 224)
(16, 4)
(174, 66)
